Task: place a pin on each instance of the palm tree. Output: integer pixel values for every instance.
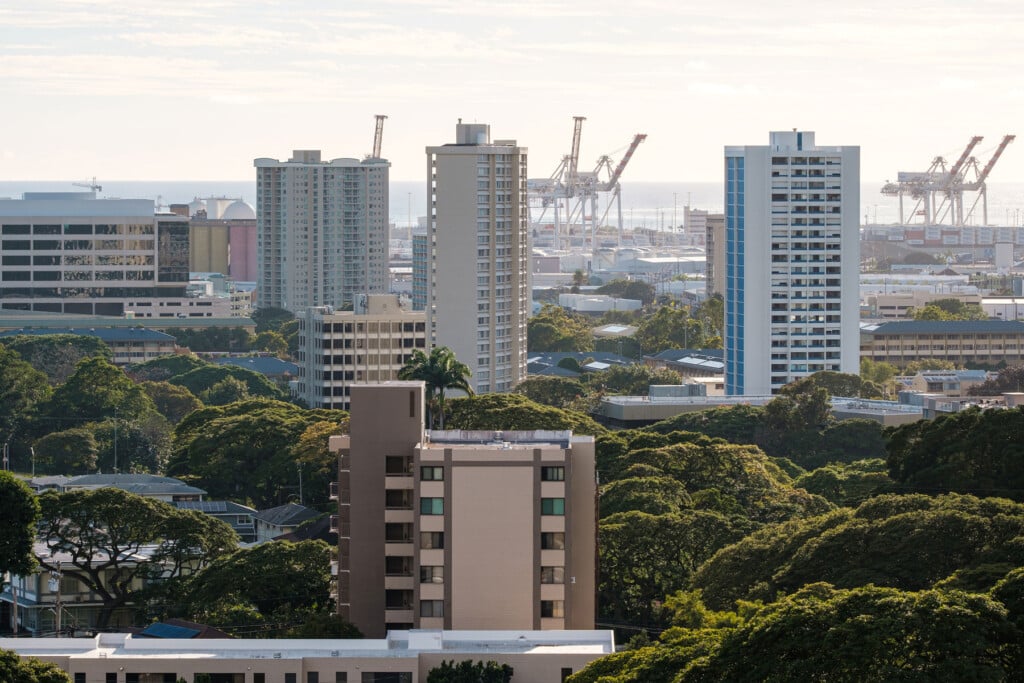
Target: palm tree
(440, 370)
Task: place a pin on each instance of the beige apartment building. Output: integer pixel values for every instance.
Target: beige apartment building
(461, 530)
(402, 657)
(478, 268)
(965, 343)
(340, 349)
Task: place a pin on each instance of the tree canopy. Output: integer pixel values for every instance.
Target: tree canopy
(16, 669)
(103, 533)
(973, 451)
(244, 451)
(57, 355)
(18, 516)
(909, 542)
(555, 329)
(23, 389)
(205, 377)
(512, 412)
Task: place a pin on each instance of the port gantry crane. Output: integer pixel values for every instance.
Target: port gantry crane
(938, 192)
(576, 193)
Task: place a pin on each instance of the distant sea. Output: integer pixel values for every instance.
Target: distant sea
(654, 205)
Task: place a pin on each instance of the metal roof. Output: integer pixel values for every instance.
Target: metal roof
(107, 334)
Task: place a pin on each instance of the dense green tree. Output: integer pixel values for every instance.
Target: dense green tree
(468, 671)
(165, 367)
(674, 328)
(557, 392)
(171, 401)
(228, 390)
(712, 310)
(907, 542)
(555, 329)
(623, 346)
(99, 390)
(916, 366)
(631, 380)
(18, 516)
(835, 383)
(515, 412)
(199, 380)
(949, 309)
(848, 484)
(244, 451)
(15, 669)
(270, 319)
(324, 625)
(272, 342)
(629, 289)
(440, 371)
(273, 579)
(656, 495)
(72, 451)
(319, 465)
(102, 532)
(212, 339)
(57, 355)
(740, 424)
(23, 390)
(139, 445)
(877, 372)
(645, 557)
(1009, 379)
(867, 634)
(974, 451)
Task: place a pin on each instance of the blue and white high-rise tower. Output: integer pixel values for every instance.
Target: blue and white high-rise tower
(792, 262)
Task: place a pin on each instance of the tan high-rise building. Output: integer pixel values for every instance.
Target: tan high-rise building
(478, 289)
(461, 530)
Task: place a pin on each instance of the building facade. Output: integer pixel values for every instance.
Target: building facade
(965, 343)
(791, 261)
(402, 657)
(478, 289)
(69, 252)
(322, 230)
(461, 530)
(338, 350)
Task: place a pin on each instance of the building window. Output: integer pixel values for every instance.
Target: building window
(552, 506)
(552, 474)
(432, 473)
(552, 574)
(431, 608)
(431, 506)
(432, 540)
(112, 678)
(389, 677)
(552, 609)
(259, 678)
(79, 678)
(397, 599)
(566, 672)
(431, 574)
(290, 678)
(312, 677)
(552, 540)
(340, 677)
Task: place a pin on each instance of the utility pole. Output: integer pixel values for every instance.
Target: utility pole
(115, 440)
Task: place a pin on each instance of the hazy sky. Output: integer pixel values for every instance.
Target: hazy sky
(173, 89)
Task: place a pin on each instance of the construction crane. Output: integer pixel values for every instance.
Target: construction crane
(574, 155)
(938, 192)
(378, 136)
(90, 185)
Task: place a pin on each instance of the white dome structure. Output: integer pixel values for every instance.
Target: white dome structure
(195, 206)
(239, 211)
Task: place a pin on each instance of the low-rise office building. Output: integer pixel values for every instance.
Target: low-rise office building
(965, 343)
(461, 530)
(402, 657)
(128, 345)
(339, 349)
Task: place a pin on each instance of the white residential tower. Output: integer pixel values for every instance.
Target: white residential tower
(792, 262)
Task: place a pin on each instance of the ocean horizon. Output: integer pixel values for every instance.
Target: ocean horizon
(644, 204)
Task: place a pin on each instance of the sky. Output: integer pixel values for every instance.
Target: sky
(175, 89)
